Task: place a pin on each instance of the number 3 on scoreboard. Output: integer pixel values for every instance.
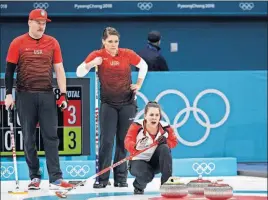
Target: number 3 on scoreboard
(72, 140)
(73, 135)
(72, 119)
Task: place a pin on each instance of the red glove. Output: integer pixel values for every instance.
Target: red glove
(63, 101)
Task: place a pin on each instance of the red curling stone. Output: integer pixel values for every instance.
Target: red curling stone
(173, 189)
(216, 191)
(196, 187)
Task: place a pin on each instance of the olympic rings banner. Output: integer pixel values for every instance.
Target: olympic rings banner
(136, 8)
(214, 114)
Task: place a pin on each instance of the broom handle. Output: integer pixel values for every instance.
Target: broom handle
(111, 167)
(10, 118)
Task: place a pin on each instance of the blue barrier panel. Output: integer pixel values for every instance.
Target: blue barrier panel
(205, 167)
(8, 172)
(192, 167)
(76, 169)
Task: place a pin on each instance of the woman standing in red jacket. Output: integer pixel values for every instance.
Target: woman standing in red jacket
(155, 160)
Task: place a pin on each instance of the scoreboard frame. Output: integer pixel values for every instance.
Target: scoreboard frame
(73, 123)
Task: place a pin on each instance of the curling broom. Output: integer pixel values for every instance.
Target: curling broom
(17, 189)
(64, 194)
(97, 122)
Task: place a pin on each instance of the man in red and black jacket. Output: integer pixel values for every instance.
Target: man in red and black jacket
(34, 55)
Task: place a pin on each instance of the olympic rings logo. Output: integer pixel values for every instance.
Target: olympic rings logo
(77, 170)
(145, 5)
(37, 5)
(203, 168)
(246, 6)
(6, 172)
(207, 124)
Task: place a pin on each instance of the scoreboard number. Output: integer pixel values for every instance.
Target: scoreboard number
(73, 135)
(7, 140)
(72, 118)
(69, 127)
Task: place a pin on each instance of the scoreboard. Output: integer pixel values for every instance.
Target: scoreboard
(73, 127)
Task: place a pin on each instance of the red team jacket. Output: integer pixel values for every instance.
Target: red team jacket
(136, 132)
(34, 59)
(115, 75)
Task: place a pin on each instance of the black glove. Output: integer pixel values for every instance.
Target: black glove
(63, 101)
(162, 140)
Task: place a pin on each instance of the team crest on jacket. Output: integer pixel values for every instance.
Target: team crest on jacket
(114, 63)
(38, 51)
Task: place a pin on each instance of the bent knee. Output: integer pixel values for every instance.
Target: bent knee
(139, 173)
(164, 148)
(146, 176)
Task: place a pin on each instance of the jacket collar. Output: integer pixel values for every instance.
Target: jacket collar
(154, 47)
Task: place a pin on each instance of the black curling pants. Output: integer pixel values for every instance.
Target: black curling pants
(144, 171)
(114, 122)
(34, 107)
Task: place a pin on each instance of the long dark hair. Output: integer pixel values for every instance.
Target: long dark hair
(109, 31)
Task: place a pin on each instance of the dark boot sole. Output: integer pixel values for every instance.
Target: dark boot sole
(121, 185)
(99, 186)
